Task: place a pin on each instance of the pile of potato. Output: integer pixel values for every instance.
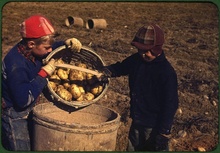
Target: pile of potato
(74, 85)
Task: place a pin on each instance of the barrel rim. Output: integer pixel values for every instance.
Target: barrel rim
(40, 116)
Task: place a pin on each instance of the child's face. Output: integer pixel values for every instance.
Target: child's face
(42, 49)
(146, 55)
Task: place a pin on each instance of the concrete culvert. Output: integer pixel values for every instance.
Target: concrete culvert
(96, 23)
(77, 21)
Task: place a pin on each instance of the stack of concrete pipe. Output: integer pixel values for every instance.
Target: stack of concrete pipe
(90, 24)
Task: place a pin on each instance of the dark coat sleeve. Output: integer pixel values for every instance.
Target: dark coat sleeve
(168, 100)
(124, 67)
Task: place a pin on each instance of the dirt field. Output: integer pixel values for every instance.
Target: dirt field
(191, 45)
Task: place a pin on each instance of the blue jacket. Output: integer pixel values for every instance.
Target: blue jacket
(153, 90)
(21, 84)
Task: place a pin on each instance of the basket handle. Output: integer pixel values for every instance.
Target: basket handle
(98, 74)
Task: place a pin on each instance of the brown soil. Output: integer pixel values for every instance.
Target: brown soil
(191, 31)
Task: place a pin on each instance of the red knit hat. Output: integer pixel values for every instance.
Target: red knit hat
(149, 38)
(36, 26)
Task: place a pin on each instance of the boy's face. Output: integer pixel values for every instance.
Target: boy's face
(41, 49)
(146, 55)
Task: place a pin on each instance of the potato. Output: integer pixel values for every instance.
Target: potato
(59, 61)
(63, 74)
(81, 98)
(60, 87)
(53, 85)
(75, 91)
(75, 75)
(55, 78)
(66, 85)
(96, 89)
(89, 96)
(65, 94)
(82, 90)
(72, 84)
(81, 65)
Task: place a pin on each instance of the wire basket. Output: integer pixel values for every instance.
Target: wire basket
(88, 56)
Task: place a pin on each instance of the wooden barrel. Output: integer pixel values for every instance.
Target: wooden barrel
(92, 128)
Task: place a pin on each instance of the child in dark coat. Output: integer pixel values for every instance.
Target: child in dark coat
(153, 90)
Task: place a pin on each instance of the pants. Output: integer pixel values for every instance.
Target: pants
(142, 138)
(16, 130)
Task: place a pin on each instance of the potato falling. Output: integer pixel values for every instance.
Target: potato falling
(74, 85)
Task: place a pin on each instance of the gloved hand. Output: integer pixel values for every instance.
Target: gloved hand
(50, 67)
(106, 74)
(162, 142)
(74, 44)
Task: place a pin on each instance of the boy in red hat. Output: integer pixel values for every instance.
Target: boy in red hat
(153, 90)
(24, 78)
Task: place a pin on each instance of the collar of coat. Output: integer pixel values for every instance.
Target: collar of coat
(159, 58)
(26, 53)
